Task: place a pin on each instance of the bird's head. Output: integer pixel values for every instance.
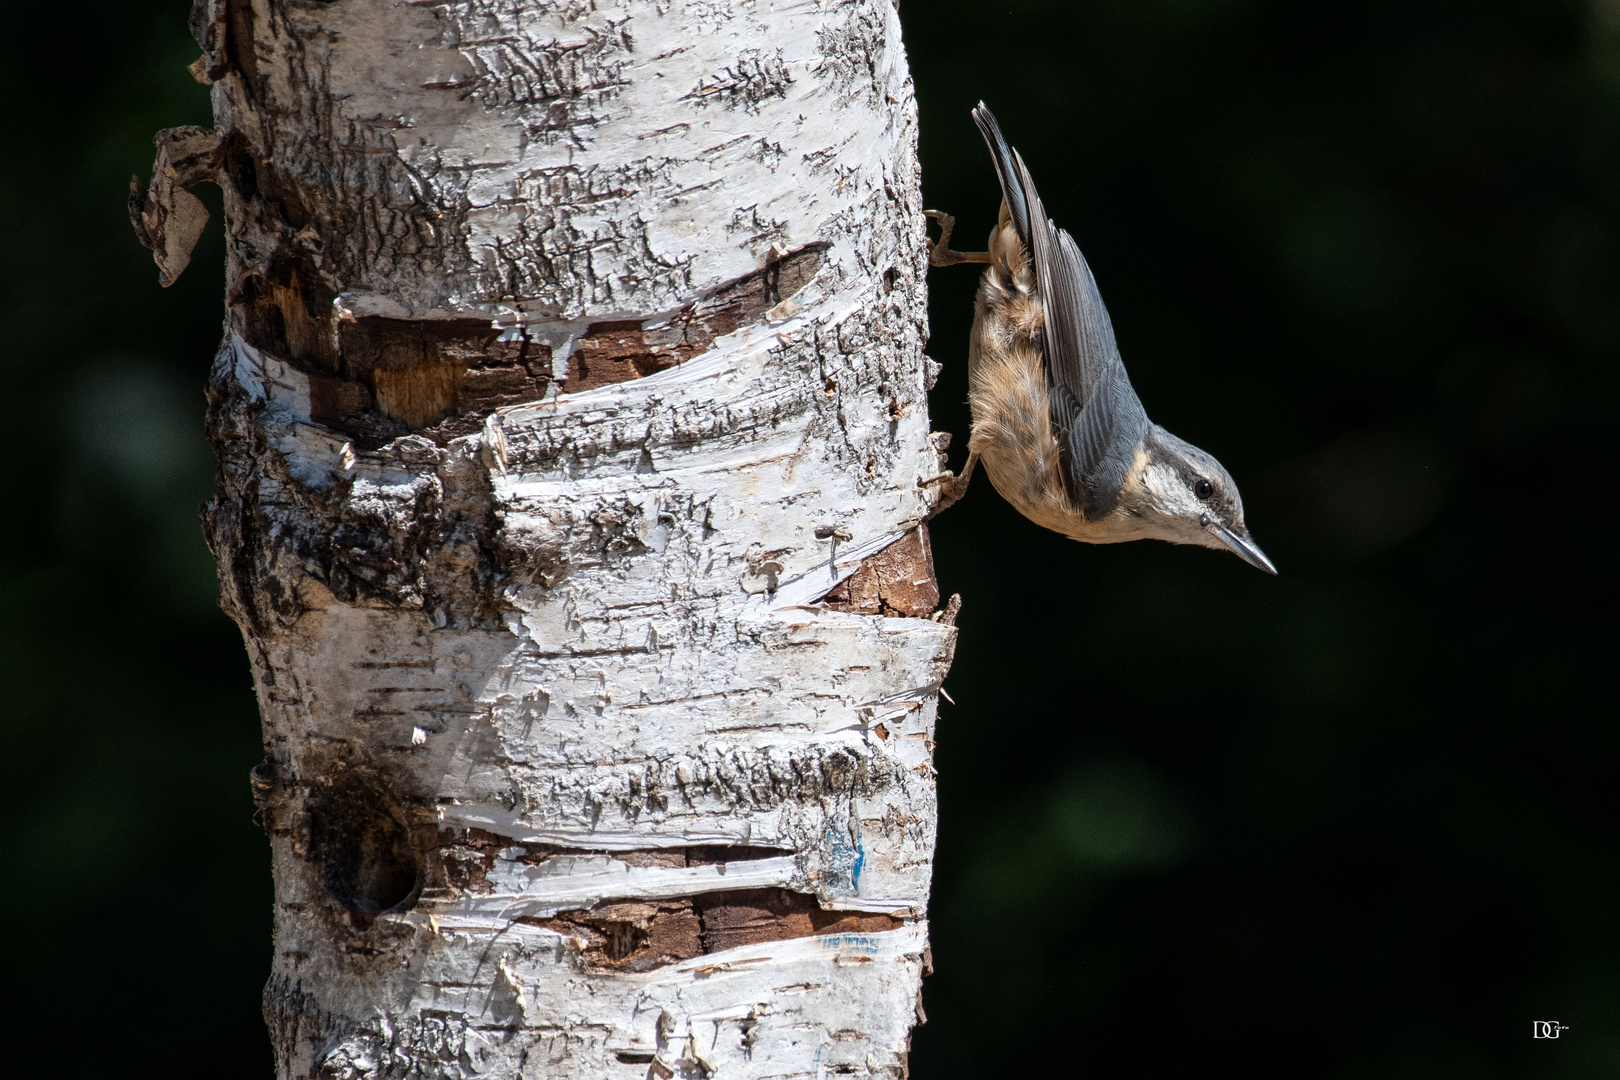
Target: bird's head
(1181, 494)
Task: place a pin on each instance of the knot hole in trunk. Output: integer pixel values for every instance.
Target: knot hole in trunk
(363, 848)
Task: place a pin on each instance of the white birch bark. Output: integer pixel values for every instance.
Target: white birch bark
(573, 357)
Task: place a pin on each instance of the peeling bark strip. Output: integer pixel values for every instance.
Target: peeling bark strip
(168, 218)
(570, 420)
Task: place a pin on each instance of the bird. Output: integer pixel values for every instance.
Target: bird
(1056, 423)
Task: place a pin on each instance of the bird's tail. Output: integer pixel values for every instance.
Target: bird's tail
(1011, 189)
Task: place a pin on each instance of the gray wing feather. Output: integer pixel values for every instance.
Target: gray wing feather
(1095, 412)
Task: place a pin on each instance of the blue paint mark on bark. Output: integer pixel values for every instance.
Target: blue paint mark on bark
(863, 944)
(845, 857)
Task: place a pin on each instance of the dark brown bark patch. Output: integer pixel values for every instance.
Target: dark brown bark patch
(239, 51)
(634, 937)
(615, 352)
(278, 314)
(438, 377)
(644, 936)
(751, 916)
(898, 581)
(380, 378)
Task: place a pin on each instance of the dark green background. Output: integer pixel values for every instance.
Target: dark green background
(1355, 821)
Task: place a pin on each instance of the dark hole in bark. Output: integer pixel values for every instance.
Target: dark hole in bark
(622, 939)
(635, 1057)
(239, 25)
(360, 842)
(710, 854)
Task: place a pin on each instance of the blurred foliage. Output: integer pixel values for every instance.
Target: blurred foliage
(138, 894)
(1356, 821)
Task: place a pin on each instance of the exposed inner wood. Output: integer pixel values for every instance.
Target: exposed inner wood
(615, 352)
(418, 396)
(437, 376)
(898, 581)
(644, 936)
(441, 377)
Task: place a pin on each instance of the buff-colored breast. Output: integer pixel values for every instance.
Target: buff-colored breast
(1012, 426)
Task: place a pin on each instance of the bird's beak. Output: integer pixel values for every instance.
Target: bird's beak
(1244, 548)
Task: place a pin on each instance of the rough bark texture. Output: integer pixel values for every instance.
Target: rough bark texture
(573, 357)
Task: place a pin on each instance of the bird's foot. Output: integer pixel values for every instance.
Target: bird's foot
(951, 486)
(940, 253)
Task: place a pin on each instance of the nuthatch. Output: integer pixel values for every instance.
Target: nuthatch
(1061, 432)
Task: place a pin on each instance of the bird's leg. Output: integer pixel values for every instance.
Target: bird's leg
(951, 487)
(940, 253)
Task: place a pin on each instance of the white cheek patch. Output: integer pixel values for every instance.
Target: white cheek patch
(1174, 511)
(1165, 491)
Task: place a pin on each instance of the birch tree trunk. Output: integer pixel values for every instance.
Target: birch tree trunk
(570, 418)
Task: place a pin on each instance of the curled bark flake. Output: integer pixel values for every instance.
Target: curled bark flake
(167, 218)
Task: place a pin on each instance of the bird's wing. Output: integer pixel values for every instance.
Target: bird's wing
(1095, 412)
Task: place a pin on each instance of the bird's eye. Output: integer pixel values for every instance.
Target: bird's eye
(1203, 489)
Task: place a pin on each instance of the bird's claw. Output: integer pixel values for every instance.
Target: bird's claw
(939, 252)
(951, 489)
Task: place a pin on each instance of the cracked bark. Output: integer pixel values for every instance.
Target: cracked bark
(570, 417)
